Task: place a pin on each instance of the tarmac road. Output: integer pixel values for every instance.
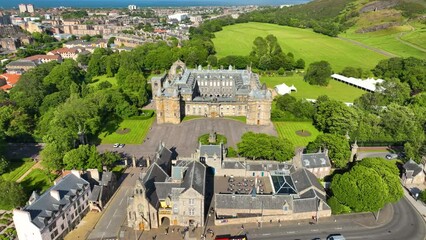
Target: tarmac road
(114, 215)
(406, 224)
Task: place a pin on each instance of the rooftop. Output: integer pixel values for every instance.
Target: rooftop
(315, 160)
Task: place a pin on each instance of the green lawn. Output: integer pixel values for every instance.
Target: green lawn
(335, 90)
(288, 130)
(387, 40)
(303, 43)
(190, 117)
(17, 168)
(138, 131)
(37, 180)
(417, 38)
(97, 80)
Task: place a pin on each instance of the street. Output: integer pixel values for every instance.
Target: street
(114, 215)
(406, 224)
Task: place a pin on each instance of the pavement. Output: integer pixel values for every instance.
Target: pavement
(84, 227)
(417, 204)
(114, 215)
(183, 138)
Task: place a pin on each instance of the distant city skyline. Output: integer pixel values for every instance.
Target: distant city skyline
(6, 4)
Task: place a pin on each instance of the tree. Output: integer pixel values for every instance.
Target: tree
(52, 156)
(361, 189)
(300, 64)
(212, 60)
(263, 146)
(318, 73)
(109, 158)
(390, 174)
(82, 158)
(337, 146)
(62, 76)
(352, 72)
(11, 194)
(83, 59)
(335, 117)
(4, 164)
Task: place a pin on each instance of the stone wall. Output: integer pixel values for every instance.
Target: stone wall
(259, 112)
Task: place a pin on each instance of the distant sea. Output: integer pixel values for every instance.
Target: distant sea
(8, 4)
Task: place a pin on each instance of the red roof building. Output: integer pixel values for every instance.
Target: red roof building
(11, 80)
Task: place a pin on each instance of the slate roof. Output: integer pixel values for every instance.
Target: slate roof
(43, 209)
(106, 178)
(309, 201)
(210, 150)
(163, 158)
(303, 179)
(315, 160)
(233, 165)
(412, 168)
(96, 191)
(247, 201)
(20, 63)
(195, 176)
(154, 174)
(164, 189)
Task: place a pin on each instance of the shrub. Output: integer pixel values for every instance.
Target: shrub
(336, 207)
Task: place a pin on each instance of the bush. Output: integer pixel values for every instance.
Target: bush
(4, 221)
(422, 196)
(231, 152)
(336, 207)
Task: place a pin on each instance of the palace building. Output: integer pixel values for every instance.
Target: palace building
(210, 93)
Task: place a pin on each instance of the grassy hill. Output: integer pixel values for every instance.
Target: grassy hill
(303, 43)
(396, 26)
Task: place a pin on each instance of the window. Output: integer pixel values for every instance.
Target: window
(191, 201)
(191, 212)
(62, 227)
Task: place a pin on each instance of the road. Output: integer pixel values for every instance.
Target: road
(114, 215)
(406, 224)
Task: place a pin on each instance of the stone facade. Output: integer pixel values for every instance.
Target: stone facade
(168, 195)
(210, 93)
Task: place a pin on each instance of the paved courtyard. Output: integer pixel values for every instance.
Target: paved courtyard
(183, 138)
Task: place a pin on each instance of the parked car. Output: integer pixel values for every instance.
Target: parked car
(336, 237)
(121, 145)
(391, 156)
(115, 145)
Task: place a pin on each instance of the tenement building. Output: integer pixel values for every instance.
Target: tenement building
(56, 212)
(210, 93)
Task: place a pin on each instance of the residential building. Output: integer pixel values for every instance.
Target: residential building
(132, 7)
(128, 41)
(11, 80)
(168, 196)
(178, 16)
(210, 93)
(5, 19)
(10, 44)
(39, 59)
(30, 8)
(89, 46)
(56, 212)
(317, 163)
(66, 53)
(22, 8)
(105, 185)
(413, 173)
(20, 66)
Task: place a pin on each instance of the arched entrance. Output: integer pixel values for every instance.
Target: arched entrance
(165, 221)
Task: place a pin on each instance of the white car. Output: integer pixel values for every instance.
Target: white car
(116, 145)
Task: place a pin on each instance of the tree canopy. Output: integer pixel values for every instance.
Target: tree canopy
(263, 146)
(337, 146)
(318, 73)
(368, 186)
